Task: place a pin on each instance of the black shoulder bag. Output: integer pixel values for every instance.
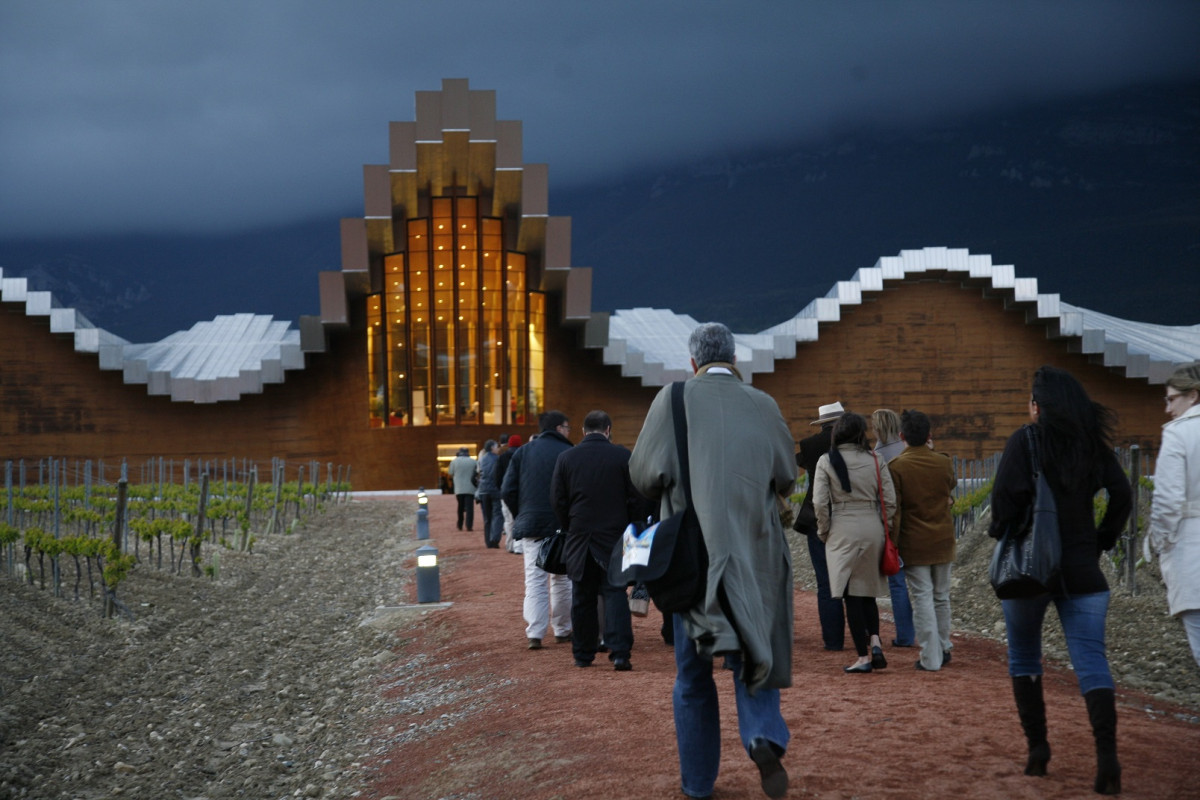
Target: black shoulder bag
(1026, 561)
(676, 573)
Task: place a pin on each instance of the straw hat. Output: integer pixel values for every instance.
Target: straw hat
(828, 413)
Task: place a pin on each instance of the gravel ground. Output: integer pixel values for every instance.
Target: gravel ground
(290, 672)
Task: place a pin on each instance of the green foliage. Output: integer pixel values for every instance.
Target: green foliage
(973, 499)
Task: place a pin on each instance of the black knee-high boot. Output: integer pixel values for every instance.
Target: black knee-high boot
(1102, 711)
(1031, 708)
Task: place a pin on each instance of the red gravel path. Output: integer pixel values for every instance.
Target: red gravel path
(540, 728)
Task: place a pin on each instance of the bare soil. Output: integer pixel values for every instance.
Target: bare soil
(305, 670)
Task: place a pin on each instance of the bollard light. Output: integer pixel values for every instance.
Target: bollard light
(422, 498)
(422, 523)
(428, 583)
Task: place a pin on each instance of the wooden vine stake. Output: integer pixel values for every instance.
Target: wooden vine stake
(244, 540)
(201, 509)
(110, 595)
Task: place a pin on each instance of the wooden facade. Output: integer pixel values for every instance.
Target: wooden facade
(936, 344)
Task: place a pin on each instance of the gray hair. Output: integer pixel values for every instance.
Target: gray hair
(711, 342)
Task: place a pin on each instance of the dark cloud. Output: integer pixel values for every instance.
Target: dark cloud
(147, 115)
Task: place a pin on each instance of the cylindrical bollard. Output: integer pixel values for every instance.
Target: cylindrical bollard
(428, 583)
(422, 523)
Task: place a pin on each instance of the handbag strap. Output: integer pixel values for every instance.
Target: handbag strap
(679, 416)
(882, 506)
(1035, 457)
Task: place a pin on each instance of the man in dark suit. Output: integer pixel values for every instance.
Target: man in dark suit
(594, 501)
(830, 610)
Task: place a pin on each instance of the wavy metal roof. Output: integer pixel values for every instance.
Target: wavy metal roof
(218, 360)
(651, 344)
(238, 354)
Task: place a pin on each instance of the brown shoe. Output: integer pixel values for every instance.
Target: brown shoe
(563, 639)
(535, 644)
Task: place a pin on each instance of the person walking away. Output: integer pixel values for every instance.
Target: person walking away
(1175, 508)
(886, 426)
(462, 471)
(830, 611)
(489, 495)
(924, 534)
(594, 501)
(526, 491)
(848, 484)
(1074, 442)
(502, 462)
(741, 460)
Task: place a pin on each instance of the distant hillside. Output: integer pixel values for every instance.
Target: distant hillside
(1097, 198)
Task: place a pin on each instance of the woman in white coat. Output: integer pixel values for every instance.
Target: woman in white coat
(1175, 511)
(847, 487)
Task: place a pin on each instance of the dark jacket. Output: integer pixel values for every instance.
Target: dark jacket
(593, 499)
(502, 462)
(1082, 539)
(488, 484)
(526, 486)
(810, 452)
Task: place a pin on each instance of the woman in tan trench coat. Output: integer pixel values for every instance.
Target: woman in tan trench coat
(846, 492)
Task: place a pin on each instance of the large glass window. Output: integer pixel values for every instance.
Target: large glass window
(455, 337)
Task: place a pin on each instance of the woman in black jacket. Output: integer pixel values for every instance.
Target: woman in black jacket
(1074, 442)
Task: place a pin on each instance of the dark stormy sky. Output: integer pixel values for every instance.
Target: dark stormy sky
(156, 116)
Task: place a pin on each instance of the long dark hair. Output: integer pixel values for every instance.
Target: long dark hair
(850, 429)
(1075, 431)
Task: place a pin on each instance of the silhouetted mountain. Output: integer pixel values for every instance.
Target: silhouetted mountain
(1098, 198)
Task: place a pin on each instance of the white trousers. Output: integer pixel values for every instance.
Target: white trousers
(547, 596)
(929, 591)
(1191, 624)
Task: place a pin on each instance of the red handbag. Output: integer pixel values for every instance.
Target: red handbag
(889, 562)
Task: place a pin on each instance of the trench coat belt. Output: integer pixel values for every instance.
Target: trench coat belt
(848, 504)
(1191, 509)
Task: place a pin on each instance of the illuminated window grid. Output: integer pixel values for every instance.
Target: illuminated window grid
(458, 336)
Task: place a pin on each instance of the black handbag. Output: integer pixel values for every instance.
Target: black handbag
(676, 572)
(551, 555)
(1026, 561)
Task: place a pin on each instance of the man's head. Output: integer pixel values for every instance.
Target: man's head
(489, 446)
(597, 422)
(914, 427)
(554, 420)
(711, 342)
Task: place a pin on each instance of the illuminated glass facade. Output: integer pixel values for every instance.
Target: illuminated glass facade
(455, 337)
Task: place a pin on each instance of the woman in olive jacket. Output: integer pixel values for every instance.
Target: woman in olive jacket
(1074, 442)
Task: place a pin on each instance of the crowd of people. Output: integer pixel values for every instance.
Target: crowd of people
(869, 478)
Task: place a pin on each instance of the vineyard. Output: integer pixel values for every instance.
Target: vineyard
(70, 525)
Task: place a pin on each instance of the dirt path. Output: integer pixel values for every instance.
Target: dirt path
(511, 723)
(288, 676)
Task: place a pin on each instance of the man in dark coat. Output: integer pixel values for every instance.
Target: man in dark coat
(830, 610)
(526, 492)
(594, 501)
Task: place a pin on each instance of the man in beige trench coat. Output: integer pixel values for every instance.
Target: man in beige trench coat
(742, 456)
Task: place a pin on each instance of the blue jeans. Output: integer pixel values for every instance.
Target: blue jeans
(901, 608)
(493, 522)
(1082, 617)
(829, 608)
(698, 718)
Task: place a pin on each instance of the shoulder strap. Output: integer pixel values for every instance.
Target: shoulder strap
(1034, 457)
(679, 416)
(882, 506)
